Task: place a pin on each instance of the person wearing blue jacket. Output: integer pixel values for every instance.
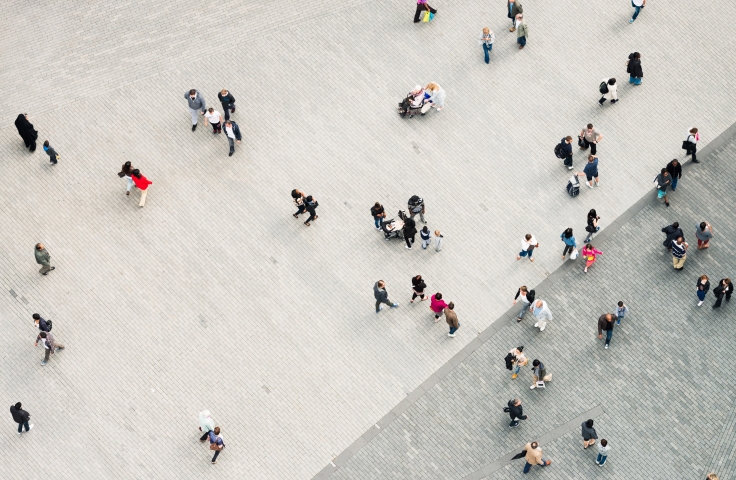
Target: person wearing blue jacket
(569, 240)
(232, 132)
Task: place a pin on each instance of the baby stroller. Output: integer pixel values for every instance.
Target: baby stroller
(394, 228)
(412, 105)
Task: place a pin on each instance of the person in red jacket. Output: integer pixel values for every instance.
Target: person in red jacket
(142, 183)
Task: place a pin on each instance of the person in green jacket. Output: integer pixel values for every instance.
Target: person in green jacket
(43, 258)
(522, 31)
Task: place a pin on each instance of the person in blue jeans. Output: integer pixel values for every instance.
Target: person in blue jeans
(21, 417)
(675, 170)
(621, 311)
(216, 441)
(638, 5)
(528, 244)
(590, 172)
(603, 449)
(605, 322)
(534, 456)
(486, 39)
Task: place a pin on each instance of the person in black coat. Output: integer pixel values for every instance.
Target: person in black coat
(21, 417)
(41, 323)
(633, 68)
(703, 287)
(418, 287)
(410, 231)
(228, 102)
(516, 412)
(724, 288)
(672, 231)
(26, 131)
(675, 170)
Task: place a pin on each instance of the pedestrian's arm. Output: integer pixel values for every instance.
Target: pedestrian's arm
(204, 104)
(600, 137)
(600, 328)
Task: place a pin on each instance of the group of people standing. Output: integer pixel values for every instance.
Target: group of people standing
(198, 106)
(437, 304)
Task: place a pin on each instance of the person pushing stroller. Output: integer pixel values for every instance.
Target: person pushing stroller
(415, 102)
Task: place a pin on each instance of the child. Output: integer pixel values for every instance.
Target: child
(53, 156)
(426, 241)
(621, 312)
(603, 451)
(438, 239)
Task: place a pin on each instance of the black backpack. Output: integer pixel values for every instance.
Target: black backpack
(603, 88)
(558, 149)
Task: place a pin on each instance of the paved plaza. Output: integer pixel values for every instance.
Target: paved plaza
(213, 296)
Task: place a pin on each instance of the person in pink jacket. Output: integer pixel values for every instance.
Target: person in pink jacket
(589, 254)
(437, 305)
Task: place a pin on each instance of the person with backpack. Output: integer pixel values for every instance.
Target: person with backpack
(528, 244)
(563, 150)
(527, 297)
(690, 145)
(590, 172)
(663, 181)
(569, 241)
(416, 207)
(589, 137)
(311, 205)
(21, 417)
(298, 197)
(592, 226)
(423, 6)
(608, 89)
(43, 325)
(378, 215)
(633, 68)
(485, 40)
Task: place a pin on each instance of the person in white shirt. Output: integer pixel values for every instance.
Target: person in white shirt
(528, 244)
(215, 119)
(611, 94)
(638, 5)
(692, 143)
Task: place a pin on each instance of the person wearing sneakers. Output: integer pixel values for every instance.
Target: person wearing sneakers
(519, 360)
(437, 305)
(513, 9)
(528, 244)
(21, 417)
(381, 295)
(206, 424)
(703, 287)
(589, 434)
(621, 312)
(522, 31)
(527, 297)
(197, 105)
(311, 204)
(516, 412)
(213, 117)
(43, 258)
(418, 287)
(606, 323)
(603, 449)
(539, 373)
(298, 197)
(49, 344)
(451, 319)
(691, 142)
(569, 241)
(232, 132)
(378, 215)
(216, 443)
(663, 181)
(228, 102)
(638, 5)
(590, 172)
(609, 92)
(542, 313)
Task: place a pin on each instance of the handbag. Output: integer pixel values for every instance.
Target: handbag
(686, 145)
(215, 446)
(574, 254)
(581, 142)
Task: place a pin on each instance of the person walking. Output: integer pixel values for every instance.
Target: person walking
(53, 156)
(589, 434)
(679, 253)
(426, 237)
(486, 39)
(42, 324)
(675, 170)
(569, 241)
(522, 31)
(527, 297)
(49, 344)
(378, 215)
(213, 117)
(435, 95)
(703, 286)
(21, 417)
(711, 476)
(690, 145)
(142, 184)
(539, 372)
(423, 6)
(592, 226)
(437, 305)
(663, 181)
(516, 412)
(216, 443)
(589, 137)
(126, 172)
(564, 151)
(514, 8)
(672, 231)
(590, 171)
(26, 131)
(206, 424)
(197, 105)
(438, 240)
(606, 323)
(415, 205)
(590, 254)
(43, 258)
(381, 295)
(534, 457)
(528, 244)
(410, 232)
(298, 198)
(518, 360)
(232, 132)
(603, 449)
(542, 313)
(703, 232)
(724, 289)
(311, 204)
(633, 68)
(638, 5)
(228, 102)
(451, 319)
(621, 311)
(609, 90)
(418, 286)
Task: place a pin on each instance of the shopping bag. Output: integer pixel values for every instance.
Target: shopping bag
(574, 254)
(427, 16)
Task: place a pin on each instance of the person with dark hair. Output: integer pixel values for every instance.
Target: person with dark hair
(410, 232)
(513, 8)
(142, 184)
(522, 31)
(426, 237)
(26, 131)
(663, 181)
(621, 311)
(569, 241)
(451, 319)
(528, 244)
(298, 197)
(21, 417)
(703, 232)
(609, 90)
(232, 132)
(592, 225)
(378, 215)
(53, 156)
(603, 449)
(638, 5)
(703, 286)
(437, 305)
(724, 289)
(566, 151)
(311, 205)
(43, 325)
(589, 137)
(633, 68)
(418, 287)
(213, 117)
(197, 105)
(606, 323)
(672, 231)
(216, 443)
(126, 172)
(679, 253)
(43, 258)
(49, 344)
(690, 145)
(675, 170)
(539, 373)
(518, 360)
(381, 296)
(228, 102)
(590, 255)
(516, 412)
(589, 435)
(527, 297)
(534, 457)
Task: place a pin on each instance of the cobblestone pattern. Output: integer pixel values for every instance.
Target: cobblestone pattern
(212, 296)
(668, 403)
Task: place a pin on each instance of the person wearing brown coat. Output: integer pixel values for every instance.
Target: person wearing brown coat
(534, 456)
(451, 318)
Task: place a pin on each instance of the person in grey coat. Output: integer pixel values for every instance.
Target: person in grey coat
(43, 258)
(379, 291)
(589, 435)
(197, 105)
